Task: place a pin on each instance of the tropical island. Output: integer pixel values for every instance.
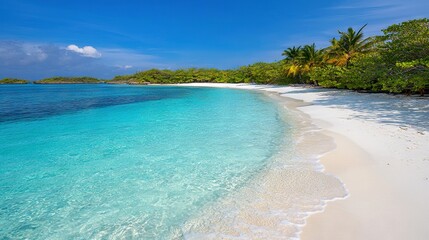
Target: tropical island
(395, 62)
(13, 81)
(361, 169)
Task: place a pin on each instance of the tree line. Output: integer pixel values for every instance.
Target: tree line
(258, 73)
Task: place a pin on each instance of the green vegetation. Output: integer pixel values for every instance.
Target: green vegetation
(12, 81)
(300, 61)
(395, 62)
(260, 73)
(68, 80)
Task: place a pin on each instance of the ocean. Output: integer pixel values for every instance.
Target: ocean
(128, 162)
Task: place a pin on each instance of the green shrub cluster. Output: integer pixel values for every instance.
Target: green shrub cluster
(260, 73)
(395, 62)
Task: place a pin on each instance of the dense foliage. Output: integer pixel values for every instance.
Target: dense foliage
(395, 62)
(260, 73)
(12, 81)
(70, 80)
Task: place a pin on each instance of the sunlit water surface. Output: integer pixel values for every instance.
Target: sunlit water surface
(97, 161)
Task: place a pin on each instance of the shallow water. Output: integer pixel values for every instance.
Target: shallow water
(276, 202)
(101, 161)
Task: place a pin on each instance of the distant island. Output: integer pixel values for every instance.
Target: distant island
(69, 80)
(13, 81)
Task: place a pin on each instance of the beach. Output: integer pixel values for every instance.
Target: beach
(381, 156)
(189, 161)
(212, 120)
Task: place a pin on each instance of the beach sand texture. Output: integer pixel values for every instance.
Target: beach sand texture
(381, 156)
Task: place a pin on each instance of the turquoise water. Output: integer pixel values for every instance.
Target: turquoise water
(101, 161)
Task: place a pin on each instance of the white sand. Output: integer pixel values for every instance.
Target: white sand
(382, 157)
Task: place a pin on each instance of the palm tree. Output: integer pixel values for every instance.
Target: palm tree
(350, 44)
(292, 53)
(311, 57)
(292, 56)
(302, 59)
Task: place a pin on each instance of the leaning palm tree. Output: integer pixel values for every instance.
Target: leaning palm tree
(350, 44)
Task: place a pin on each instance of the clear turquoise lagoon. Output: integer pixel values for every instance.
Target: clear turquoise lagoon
(115, 161)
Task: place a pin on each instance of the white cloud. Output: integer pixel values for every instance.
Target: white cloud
(34, 51)
(14, 53)
(34, 61)
(124, 66)
(86, 51)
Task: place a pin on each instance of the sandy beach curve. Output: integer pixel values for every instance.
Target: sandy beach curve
(381, 156)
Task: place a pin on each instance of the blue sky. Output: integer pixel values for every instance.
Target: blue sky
(43, 38)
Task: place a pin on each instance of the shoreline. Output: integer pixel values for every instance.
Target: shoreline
(275, 203)
(382, 162)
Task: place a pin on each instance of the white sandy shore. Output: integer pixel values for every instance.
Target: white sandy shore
(382, 157)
